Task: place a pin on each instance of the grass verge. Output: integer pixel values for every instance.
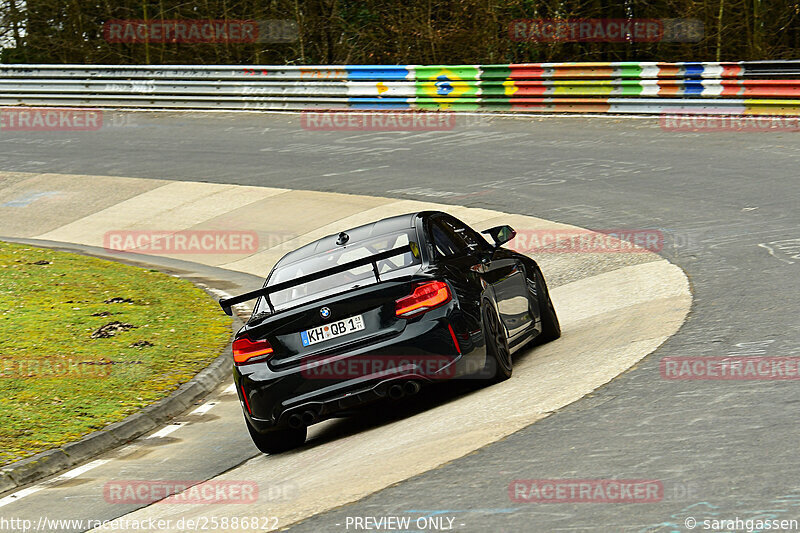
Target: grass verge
(86, 342)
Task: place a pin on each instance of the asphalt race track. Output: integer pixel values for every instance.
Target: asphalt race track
(614, 308)
(727, 205)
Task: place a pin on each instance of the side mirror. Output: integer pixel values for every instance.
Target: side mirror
(500, 234)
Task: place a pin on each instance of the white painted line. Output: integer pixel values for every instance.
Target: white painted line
(21, 494)
(163, 432)
(75, 472)
(230, 389)
(203, 409)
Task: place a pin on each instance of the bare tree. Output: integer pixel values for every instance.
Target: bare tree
(393, 31)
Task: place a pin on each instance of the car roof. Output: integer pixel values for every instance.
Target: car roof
(381, 227)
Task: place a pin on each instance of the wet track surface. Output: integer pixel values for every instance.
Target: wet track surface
(727, 205)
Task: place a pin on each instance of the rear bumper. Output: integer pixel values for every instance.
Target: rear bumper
(423, 353)
(324, 406)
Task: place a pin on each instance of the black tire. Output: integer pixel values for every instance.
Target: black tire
(498, 357)
(277, 440)
(551, 329)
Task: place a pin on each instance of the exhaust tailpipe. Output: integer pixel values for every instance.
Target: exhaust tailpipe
(309, 417)
(295, 421)
(411, 387)
(396, 391)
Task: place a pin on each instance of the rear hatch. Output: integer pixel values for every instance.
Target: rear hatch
(344, 311)
(337, 324)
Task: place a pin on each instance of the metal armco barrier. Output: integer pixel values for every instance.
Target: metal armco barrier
(754, 87)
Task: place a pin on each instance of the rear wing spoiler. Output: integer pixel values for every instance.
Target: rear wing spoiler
(227, 303)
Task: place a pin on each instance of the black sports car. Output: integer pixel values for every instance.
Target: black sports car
(378, 311)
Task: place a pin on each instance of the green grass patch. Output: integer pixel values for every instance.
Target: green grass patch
(57, 382)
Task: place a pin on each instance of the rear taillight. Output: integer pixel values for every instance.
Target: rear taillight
(425, 297)
(248, 351)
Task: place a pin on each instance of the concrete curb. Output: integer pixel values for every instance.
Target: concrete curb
(55, 460)
(49, 462)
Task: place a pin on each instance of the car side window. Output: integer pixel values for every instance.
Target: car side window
(471, 239)
(446, 241)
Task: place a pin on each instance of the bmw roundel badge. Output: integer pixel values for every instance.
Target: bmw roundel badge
(325, 312)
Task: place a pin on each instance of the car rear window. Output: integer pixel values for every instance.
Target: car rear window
(356, 277)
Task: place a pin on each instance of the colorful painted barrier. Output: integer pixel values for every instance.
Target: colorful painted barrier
(761, 87)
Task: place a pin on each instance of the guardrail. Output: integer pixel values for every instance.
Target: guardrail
(756, 87)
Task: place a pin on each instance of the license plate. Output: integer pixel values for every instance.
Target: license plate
(332, 330)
